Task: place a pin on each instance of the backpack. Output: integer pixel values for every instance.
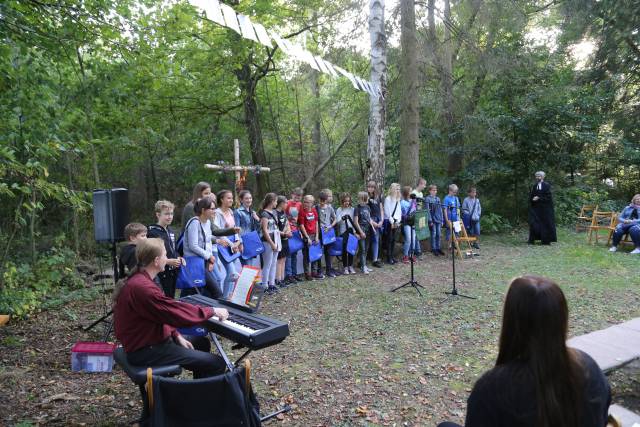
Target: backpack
(180, 242)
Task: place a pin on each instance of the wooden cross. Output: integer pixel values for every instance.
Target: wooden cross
(237, 167)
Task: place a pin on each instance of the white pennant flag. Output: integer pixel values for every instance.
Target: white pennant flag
(230, 18)
(263, 37)
(332, 70)
(213, 12)
(348, 75)
(246, 27)
(281, 43)
(322, 65)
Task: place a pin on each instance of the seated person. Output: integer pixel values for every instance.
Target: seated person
(628, 222)
(538, 381)
(146, 319)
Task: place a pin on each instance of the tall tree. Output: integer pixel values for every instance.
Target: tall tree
(377, 108)
(409, 114)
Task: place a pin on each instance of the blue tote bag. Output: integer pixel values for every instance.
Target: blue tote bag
(295, 242)
(328, 237)
(315, 252)
(225, 252)
(252, 245)
(191, 275)
(352, 244)
(336, 247)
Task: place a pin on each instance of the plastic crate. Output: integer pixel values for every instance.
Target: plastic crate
(92, 356)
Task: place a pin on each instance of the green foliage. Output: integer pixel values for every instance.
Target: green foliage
(24, 287)
(569, 201)
(492, 223)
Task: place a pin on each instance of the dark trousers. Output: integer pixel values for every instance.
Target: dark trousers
(390, 242)
(347, 258)
(168, 282)
(327, 257)
(199, 361)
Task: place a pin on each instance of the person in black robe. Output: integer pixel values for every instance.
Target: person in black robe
(542, 223)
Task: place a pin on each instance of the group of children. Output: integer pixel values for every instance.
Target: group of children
(210, 223)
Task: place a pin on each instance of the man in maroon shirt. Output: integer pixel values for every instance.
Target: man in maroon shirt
(146, 320)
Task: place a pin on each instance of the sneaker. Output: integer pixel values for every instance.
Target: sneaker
(308, 276)
(405, 259)
(636, 251)
(299, 278)
(475, 245)
(613, 249)
(318, 276)
(365, 271)
(440, 252)
(352, 270)
(331, 274)
(346, 271)
(377, 264)
(271, 290)
(414, 258)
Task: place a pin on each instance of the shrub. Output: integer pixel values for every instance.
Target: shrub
(494, 223)
(24, 287)
(568, 202)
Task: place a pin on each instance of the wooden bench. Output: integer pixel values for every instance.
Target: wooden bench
(613, 348)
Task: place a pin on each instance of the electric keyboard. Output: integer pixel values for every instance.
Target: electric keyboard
(247, 329)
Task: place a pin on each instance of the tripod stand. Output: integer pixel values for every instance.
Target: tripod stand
(454, 291)
(105, 318)
(413, 282)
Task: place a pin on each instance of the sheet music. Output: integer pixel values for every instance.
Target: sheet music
(244, 284)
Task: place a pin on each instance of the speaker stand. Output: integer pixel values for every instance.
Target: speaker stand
(106, 317)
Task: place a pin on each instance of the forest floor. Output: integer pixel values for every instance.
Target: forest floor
(357, 354)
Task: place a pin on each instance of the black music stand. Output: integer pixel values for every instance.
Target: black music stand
(412, 282)
(454, 291)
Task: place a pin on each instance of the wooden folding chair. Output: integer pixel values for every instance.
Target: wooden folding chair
(464, 239)
(603, 221)
(585, 217)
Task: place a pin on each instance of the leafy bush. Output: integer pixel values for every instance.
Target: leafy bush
(569, 201)
(494, 223)
(23, 287)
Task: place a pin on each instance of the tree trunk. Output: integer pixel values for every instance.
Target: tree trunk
(88, 113)
(74, 218)
(252, 125)
(276, 130)
(377, 110)
(322, 150)
(454, 142)
(409, 118)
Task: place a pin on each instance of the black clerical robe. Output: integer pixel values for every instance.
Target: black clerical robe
(542, 223)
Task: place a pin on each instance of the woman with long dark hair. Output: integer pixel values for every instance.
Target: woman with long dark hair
(538, 381)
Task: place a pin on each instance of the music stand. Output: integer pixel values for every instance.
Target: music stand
(454, 291)
(412, 282)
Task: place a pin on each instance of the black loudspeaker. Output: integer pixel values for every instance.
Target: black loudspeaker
(110, 214)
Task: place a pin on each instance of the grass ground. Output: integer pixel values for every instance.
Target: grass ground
(358, 354)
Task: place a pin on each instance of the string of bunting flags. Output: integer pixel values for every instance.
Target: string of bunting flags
(225, 15)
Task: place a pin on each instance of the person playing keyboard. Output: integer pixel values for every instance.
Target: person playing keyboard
(146, 320)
